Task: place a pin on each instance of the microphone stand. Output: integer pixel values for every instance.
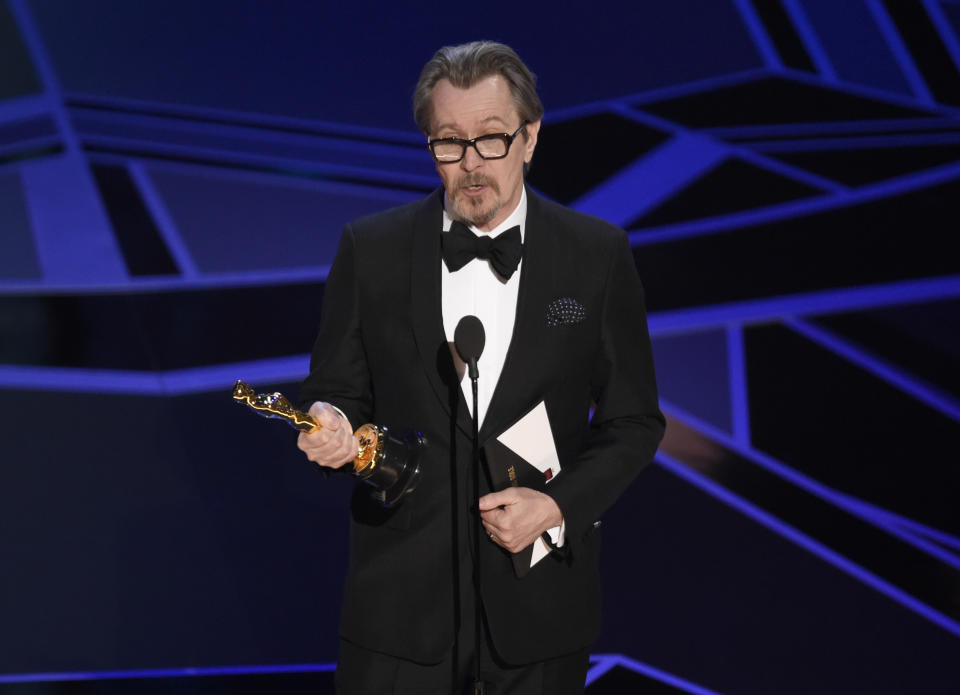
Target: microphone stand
(468, 339)
(478, 688)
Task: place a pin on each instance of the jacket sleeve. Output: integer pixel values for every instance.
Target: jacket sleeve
(627, 424)
(338, 365)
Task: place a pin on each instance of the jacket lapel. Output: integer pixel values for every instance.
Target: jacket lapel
(522, 381)
(426, 311)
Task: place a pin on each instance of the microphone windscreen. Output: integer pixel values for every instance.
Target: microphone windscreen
(469, 338)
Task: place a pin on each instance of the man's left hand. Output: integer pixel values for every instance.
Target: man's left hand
(514, 518)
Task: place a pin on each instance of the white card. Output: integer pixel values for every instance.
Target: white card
(531, 438)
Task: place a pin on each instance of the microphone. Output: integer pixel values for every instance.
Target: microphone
(468, 338)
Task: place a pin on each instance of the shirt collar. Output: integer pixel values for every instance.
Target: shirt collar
(517, 218)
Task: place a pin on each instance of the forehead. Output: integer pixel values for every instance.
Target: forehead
(487, 103)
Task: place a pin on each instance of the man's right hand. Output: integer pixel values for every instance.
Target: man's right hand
(333, 444)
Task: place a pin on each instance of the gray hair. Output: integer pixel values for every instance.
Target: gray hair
(467, 64)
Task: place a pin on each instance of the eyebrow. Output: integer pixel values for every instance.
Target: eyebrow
(488, 119)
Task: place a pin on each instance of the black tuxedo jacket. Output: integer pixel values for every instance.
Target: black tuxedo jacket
(382, 357)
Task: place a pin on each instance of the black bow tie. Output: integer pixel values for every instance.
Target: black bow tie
(460, 246)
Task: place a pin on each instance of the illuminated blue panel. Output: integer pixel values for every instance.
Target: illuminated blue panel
(191, 672)
(951, 13)
(692, 372)
(245, 223)
(652, 179)
(18, 258)
(75, 242)
(851, 38)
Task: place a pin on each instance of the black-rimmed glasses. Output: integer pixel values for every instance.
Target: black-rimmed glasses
(493, 146)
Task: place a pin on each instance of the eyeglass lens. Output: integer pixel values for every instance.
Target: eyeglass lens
(493, 146)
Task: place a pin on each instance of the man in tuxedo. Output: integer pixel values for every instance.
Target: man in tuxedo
(563, 311)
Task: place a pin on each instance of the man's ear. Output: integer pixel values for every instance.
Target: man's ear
(530, 143)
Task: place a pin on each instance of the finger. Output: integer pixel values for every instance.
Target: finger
(315, 439)
(333, 449)
(498, 525)
(329, 418)
(490, 531)
(341, 446)
(326, 415)
(312, 441)
(497, 499)
(351, 447)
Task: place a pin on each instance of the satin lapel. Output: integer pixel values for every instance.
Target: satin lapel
(521, 382)
(426, 310)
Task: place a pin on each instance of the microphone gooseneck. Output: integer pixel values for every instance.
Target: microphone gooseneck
(469, 338)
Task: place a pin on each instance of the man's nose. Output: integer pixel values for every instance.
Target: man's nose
(471, 159)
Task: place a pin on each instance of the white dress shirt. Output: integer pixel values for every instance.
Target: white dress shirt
(476, 289)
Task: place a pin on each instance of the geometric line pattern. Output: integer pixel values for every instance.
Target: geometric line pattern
(797, 147)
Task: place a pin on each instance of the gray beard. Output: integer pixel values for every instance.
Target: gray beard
(474, 218)
(470, 218)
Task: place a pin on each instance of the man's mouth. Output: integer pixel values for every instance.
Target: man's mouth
(475, 187)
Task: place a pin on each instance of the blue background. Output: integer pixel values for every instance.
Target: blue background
(173, 180)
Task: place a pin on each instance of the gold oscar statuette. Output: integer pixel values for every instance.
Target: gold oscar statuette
(388, 463)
